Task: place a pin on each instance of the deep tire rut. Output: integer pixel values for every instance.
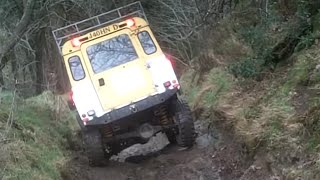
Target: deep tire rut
(212, 158)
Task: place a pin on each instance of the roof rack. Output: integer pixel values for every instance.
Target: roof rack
(64, 34)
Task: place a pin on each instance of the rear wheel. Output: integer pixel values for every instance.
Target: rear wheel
(186, 132)
(94, 147)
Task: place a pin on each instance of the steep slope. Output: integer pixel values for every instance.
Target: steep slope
(39, 138)
(276, 118)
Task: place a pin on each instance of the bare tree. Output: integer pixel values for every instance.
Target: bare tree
(181, 24)
(21, 28)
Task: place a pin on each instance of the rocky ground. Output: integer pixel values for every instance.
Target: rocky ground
(213, 157)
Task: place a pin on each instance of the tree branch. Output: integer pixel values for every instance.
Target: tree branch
(17, 34)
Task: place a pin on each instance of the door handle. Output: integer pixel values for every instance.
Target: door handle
(101, 82)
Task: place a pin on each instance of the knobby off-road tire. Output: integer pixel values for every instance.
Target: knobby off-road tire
(171, 135)
(94, 147)
(186, 135)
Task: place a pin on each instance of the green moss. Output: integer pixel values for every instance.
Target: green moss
(220, 82)
(189, 89)
(313, 143)
(6, 96)
(299, 73)
(215, 84)
(316, 23)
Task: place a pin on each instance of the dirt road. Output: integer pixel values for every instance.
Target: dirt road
(212, 158)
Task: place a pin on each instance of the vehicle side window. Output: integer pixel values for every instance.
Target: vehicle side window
(147, 43)
(76, 68)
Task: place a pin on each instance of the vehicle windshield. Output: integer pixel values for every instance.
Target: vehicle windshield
(111, 53)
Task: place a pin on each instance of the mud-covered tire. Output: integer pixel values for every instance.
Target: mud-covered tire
(186, 135)
(171, 135)
(94, 147)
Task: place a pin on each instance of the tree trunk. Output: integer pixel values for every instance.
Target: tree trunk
(1, 79)
(14, 67)
(40, 58)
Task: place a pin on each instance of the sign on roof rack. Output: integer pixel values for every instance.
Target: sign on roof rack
(64, 34)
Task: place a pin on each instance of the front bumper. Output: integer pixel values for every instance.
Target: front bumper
(127, 110)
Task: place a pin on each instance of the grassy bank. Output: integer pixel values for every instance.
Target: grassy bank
(36, 144)
(277, 117)
(272, 108)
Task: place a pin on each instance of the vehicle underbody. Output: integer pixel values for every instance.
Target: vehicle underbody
(171, 116)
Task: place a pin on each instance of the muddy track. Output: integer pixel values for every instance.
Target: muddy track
(213, 157)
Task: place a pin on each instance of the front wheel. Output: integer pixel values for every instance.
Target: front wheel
(185, 136)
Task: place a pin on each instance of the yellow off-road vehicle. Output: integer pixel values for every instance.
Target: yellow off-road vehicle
(124, 89)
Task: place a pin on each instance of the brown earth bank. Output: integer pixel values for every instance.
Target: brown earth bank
(216, 155)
